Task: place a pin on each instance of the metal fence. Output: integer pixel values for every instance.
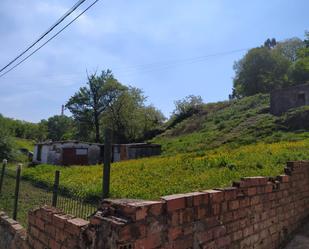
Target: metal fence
(18, 196)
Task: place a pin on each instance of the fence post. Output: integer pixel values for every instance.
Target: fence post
(55, 189)
(107, 162)
(18, 170)
(4, 163)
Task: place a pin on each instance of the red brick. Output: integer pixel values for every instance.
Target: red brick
(174, 202)
(230, 193)
(156, 209)
(219, 231)
(174, 233)
(251, 191)
(74, 226)
(223, 241)
(40, 224)
(54, 245)
(34, 232)
(215, 196)
(150, 242)
(204, 236)
(59, 220)
(283, 178)
(233, 205)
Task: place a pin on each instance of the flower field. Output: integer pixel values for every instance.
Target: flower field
(151, 178)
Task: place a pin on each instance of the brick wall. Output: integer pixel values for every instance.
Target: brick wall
(257, 212)
(12, 234)
(49, 228)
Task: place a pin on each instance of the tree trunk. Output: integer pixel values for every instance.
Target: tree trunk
(97, 127)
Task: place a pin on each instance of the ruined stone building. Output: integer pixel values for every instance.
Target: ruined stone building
(83, 153)
(284, 99)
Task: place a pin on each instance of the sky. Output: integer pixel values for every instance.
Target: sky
(169, 49)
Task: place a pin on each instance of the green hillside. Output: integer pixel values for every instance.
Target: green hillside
(234, 123)
(220, 144)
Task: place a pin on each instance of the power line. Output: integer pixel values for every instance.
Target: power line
(69, 12)
(155, 66)
(171, 63)
(1, 75)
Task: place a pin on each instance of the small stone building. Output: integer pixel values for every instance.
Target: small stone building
(82, 153)
(135, 150)
(284, 99)
(67, 153)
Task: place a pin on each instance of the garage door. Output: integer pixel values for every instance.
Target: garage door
(73, 156)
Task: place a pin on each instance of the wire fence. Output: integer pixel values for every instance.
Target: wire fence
(18, 202)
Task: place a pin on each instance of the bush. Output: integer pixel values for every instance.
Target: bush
(6, 145)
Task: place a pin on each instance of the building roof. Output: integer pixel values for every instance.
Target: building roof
(290, 88)
(81, 142)
(49, 142)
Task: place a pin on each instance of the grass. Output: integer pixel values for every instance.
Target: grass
(22, 143)
(31, 197)
(233, 123)
(151, 178)
(220, 144)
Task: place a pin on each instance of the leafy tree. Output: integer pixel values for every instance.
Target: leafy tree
(270, 43)
(6, 143)
(90, 102)
(60, 127)
(299, 72)
(289, 48)
(130, 119)
(188, 106)
(185, 108)
(260, 71)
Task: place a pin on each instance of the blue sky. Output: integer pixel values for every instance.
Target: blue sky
(153, 45)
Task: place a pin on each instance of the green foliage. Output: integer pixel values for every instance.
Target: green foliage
(231, 123)
(23, 129)
(129, 117)
(272, 66)
(260, 71)
(296, 119)
(6, 145)
(185, 108)
(90, 102)
(60, 127)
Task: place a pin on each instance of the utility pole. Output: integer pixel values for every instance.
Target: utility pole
(107, 162)
(62, 110)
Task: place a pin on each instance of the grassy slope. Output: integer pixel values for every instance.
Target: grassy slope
(232, 123)
(21, 143)
(224, 142)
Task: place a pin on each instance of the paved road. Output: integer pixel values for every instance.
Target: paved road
(301, 239)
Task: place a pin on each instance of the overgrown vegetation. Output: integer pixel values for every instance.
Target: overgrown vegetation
(151, 178)
(233, 123)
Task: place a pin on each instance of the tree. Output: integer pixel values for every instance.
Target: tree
(60, 127)
(130, 119)
(299, 72)
(260, 71)
(6, 143)
(270, 43)
(288, 48)
(90, 102)
(188, 106)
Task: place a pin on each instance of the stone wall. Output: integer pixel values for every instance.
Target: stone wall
(284, 99)
(257, 212)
